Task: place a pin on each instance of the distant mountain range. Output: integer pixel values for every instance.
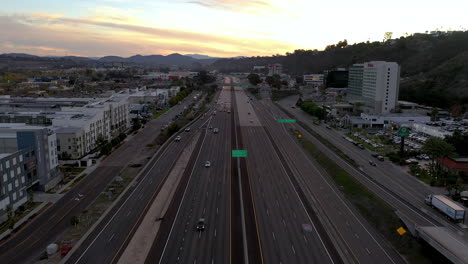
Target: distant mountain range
(23, 61)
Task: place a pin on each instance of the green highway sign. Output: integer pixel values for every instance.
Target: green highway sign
(403, 132)
(238, 153)
(286, 120)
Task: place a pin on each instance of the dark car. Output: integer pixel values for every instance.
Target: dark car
(372, 163)
(201, 224)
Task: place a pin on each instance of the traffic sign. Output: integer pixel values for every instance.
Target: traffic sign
(286, 120)
(401, 231)
(403, 132)
(239, 153)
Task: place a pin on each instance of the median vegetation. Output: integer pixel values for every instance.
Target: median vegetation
(377, 212)
(184, 92)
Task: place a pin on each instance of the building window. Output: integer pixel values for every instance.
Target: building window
(18, 170)
(5, 177)
(7, 164)
(9, 187)
(21, 158)
(14, 161)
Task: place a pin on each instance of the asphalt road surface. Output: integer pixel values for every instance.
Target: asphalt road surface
(207, 196)
(401, 184)
(27, 244)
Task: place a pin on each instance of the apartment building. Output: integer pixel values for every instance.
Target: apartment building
(15, 168)
(78, 123)
(43, 142)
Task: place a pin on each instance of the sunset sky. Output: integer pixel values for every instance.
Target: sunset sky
(223, 28)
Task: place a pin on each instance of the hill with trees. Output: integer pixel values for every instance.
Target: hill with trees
(434, 67)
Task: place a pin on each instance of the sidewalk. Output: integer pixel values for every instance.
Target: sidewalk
(24, 219)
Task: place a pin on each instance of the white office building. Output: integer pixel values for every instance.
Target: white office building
(376, 84)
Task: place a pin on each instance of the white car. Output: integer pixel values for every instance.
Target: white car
(177, 138)
(187, 129)
(207, 164)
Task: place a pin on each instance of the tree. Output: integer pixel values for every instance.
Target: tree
(459, 141)
(30, 196)
(74, 220)
(254, 79)
(434, 114)
(11, 217)
(136, 124)
(437, 148)
(387, 36)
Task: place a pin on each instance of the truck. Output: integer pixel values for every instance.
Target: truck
(448, 207)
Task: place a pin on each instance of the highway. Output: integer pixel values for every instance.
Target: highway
(356, 240)
(279, 211)
(27, 244)
(393, 177)
(207, 196)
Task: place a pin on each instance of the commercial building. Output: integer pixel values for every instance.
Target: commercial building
(275, 68)
(376, 85)
(315, 80)
(337, 78)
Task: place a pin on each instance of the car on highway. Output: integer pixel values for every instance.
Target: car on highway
(215, 130)
(201, 224)
(372, 163)
(187, 129)
(177, 138)
(207, 164)
(210, 127)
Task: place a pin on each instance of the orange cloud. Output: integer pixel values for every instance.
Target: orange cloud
(258, 6)
(83, 37)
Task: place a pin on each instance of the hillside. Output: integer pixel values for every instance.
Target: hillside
(434, 70)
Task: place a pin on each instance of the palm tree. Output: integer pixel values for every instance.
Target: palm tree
(437, 149)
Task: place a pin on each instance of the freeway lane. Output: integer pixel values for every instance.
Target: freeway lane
(28, 243)
(107, 241)
(206, 196)
(362, 243)
(410, 190)
(279, 211)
